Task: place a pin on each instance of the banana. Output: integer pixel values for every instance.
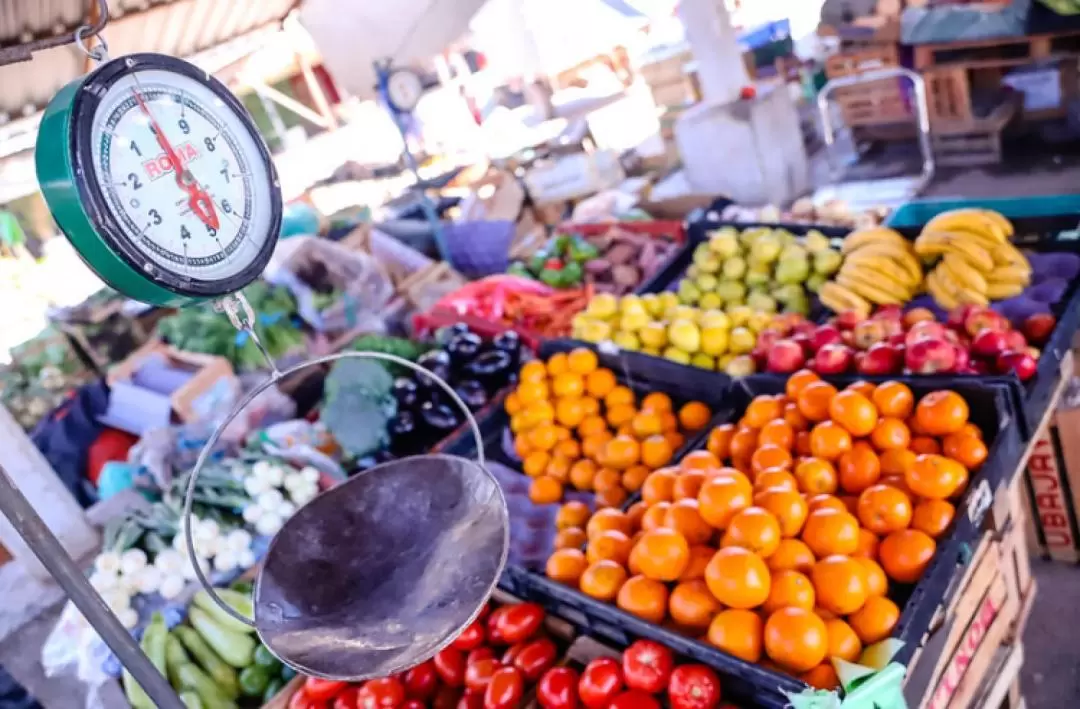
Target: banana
(970, 297)
(1009, 275)
(977, 237)
(1000, 291)
(875, 235)
(960, 292)
(838, 299)
(963, 272)
(879, 293)
(1001, 220)
(940, 295)
(1008, 255)
(940, 243)
(881, 270)
(904, 258)
(967, 219)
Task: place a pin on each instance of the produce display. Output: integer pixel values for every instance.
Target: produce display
(657, 324)
(516, 303)
(613, 262)
(803, 211)
(42, 372)
(574, 425)
(788, 539)
(766, 269)
(973, 340)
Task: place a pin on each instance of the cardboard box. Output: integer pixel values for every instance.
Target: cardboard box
(1053, 488)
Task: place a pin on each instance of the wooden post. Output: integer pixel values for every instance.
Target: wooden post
(316, 91)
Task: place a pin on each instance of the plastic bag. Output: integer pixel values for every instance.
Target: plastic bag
(73, 647)
(302, 443)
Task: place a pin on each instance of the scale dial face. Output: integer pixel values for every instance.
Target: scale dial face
(177, 181)
(403, 89)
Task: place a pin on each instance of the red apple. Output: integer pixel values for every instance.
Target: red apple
(925, 330)
(847, 337)
(984, 318)
(889, 312)
(1020, 362)
(824, 335)
(989, 343)
(1015, 340)
(980, 366)
(881, 359)
(804, 341)
(916, 315)
(785, 356)
(1037, 328)
(952, 336)
(848, 319)
(833, 358)
(963, 358)
(958, 316)
(804, 327)
(896, 340)
(868, 333)
(930, 356)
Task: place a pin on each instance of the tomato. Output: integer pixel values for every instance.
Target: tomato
(512, 652)
(412, 704)
(536, 658)
(471, 700)
(421, 681)
(693, 687)
(519, 622)
(472, 637)
(480, 653)
(634, 699)
(450, 664)
(385, 693)
(485, 611)
(505, 689)
(493, 621)
(347, 699)
(446, 698)
(647, 666)
(558, 689)
(478, 674)
(600, 682)
(301, 700)
(319, 690)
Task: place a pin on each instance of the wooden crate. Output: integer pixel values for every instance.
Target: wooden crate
(997, 53)
(973, 142)
(948, 94)
(873, 103)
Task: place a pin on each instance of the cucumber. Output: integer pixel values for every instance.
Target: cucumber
(175, 658)
(191, 677)
(275, 686)
(237, 601)
(223, 675)
(191, 700)
(153, 643)
(235, 648)
(254, 680)
(265, 658)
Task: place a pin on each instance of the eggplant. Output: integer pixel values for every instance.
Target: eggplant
(492, 369)
(463, 349)
(402, 430)
(472, 393)
(439, 419)
(406, 392)
(438, 363)
(509, 342)
(445, 334)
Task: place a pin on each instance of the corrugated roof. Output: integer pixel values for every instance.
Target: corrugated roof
(176, 27)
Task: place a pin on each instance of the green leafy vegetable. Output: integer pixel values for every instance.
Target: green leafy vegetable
(358, 405)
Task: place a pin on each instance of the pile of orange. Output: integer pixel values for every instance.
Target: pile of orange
(778, 543)
(574, 424)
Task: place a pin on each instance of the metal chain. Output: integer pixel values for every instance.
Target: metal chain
(25, 52)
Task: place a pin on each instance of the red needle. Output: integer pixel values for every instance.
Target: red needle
(198, 200)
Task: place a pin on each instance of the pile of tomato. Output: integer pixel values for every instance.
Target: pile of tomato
(491, 665)
(644, 678)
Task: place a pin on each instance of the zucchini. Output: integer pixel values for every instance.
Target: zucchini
(223, 675)
(235, 648)
(153, 643)
(191, 700)
(191, 677)
(275, 686)
(175, 658)
(239, 602)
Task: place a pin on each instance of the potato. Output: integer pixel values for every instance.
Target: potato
(626, 276)
(621, 253)
(597, 266)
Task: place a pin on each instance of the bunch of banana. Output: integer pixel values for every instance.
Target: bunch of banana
(971, 257)
(880, 268)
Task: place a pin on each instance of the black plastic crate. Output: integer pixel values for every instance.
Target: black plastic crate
(992, 411)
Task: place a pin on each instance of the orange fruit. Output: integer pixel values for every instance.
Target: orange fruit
(700, 556)
(830, 531)
(895, 462)
(683, 516)
(744, 443)
(659, 486)
(570, 538)
(566, 566)
(582, 360)
(877, 583)
(933, 517)
(699, 460)
(569, 448)
(612, 497)
(856, 413)
(612, 545)
(894, 399)
(536, 463)
(619, 396)
(656, 452)
(940, 413)
(890, 434)
(777, 433)
(620, 453)
(721, 498)
(762, 410)
(799, 381)
(633, 478)
(691, 605)
(738, 578)
(884, 509)
(559, 467)
(865, 388)
(816, 476)
(935, 477)
(829, 440)
(822, 677)
(694, 416)
(591, 406)
(843, 641)
(770, 456)
(567, 385)
(533, 371)
(796, 639)
(868, 545)
(620, 415)
(635, 513)
(602, 580)
(569, 411)
(775, 478)
(645, 598)
(875, 620)
(791, 555)
(600, 382)
(669, 421)
(657, 401)
(719, 441)
(966, 449)
(582, 473)
(607, 479)
(813, 400)
(558, 364)
(661, 554)
(737, 632)
(545, 490)
(859, 468)
(572, 514)
(825, 502)
(655, 516)
(851, 503)
(905, 554)
(675, 439)
(794, 418)
(646, 423)
(688, 484)
(787, 506)
(592, 424)
(789, 589)
(755, 529)
(840, 584)
(604, 520)
(544, 437)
